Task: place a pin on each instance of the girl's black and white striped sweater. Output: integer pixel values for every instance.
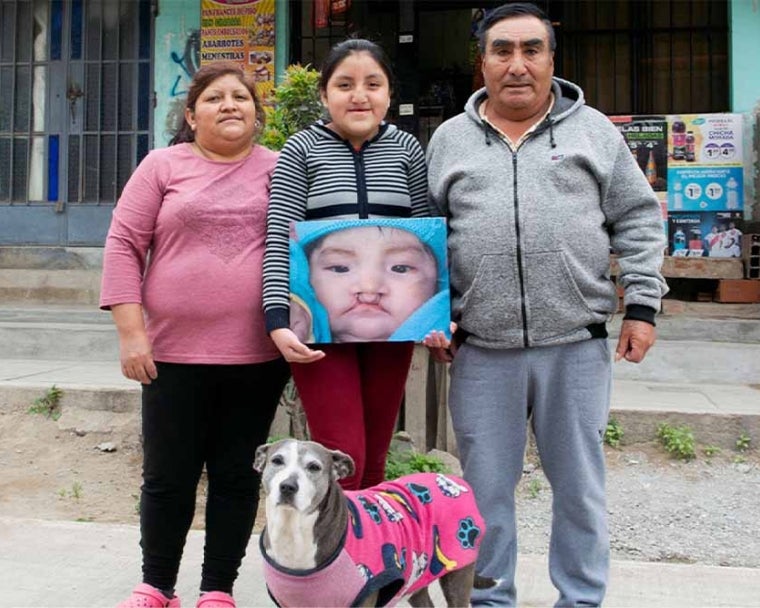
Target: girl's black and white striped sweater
(319, 175)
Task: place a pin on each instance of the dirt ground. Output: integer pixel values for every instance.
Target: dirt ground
(52, 474)
(660, 509)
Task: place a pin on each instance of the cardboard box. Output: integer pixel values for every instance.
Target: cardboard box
(738, 291)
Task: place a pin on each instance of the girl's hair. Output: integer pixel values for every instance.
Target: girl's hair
(201, 80)
(354, 45)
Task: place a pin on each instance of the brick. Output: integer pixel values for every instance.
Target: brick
(738, 290)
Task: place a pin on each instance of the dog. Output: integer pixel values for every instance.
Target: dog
(323, 546)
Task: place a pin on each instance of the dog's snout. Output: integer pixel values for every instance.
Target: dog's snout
(289, 487)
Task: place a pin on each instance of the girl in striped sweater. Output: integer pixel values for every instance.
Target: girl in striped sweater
(354, 165)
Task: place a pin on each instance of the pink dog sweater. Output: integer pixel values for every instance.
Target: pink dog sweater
(401, 535)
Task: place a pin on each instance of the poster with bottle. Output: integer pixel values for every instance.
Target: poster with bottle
(647, 138)
(705, 162)
(704, 234)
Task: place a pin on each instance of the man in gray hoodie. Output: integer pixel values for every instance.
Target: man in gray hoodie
(538, 188)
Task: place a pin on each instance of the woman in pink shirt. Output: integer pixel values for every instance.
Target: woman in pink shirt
(182, 277)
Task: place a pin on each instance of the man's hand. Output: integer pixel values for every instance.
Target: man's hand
(636, 338)
(292, 348)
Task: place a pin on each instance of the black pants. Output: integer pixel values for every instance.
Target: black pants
(194, 415)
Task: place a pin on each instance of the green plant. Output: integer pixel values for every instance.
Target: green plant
(711, 450)
(613, 433)
(678, 440)
(49, 405)
(534, 488)
(296, 105)
(406, 462)
(743, 441)
(76, 490)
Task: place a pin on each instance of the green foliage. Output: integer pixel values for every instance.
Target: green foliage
(678, 440)
(406, 462)
(75, 492)
(711, 450)
(49, 405)
(613, 433)
(534, 488)
(743, 442)
(296, 106)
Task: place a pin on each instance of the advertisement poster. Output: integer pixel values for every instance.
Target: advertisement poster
(709, 233)
(369, 280)
(325, 11)
(240, 31)
(647, 138)
(705, 164)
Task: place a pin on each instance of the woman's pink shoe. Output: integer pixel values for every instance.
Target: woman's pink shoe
(215, 599)
(147, 596)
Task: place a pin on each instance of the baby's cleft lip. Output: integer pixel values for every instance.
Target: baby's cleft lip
(361, 307)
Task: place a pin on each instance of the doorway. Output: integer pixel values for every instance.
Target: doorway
(76, 103)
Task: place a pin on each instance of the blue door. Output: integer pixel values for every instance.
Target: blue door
(76, 103)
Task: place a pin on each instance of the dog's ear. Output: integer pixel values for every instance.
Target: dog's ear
(260, 461)
(343, 464)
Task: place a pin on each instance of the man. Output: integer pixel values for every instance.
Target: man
(537, 188)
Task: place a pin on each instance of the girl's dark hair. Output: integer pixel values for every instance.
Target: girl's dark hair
(514, 9)
(202, 79)
(354, 45)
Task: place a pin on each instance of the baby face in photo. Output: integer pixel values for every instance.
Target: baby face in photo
(370, 279)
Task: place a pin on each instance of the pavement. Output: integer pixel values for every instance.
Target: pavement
(705, 374)
(71, 564)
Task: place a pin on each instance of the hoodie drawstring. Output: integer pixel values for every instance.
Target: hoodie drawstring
(485, 131)
(551, 133)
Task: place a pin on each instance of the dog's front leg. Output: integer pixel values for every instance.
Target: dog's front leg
(421, 599)
(370, 601)
(457, 585)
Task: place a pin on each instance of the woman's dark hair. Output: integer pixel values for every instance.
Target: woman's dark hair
(202, 79)
(354, 45)
(514, 9)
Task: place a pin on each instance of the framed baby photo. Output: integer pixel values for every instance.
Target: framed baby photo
(369, 280)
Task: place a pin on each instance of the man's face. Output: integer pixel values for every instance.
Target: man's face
(518, 66)
(370, 280)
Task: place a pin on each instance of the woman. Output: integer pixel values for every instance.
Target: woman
(180, 277)
(352, 165)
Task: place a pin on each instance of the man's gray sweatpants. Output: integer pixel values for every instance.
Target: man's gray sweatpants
(564, 391)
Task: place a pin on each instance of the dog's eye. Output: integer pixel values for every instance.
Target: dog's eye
(313, 467)
(278, 460)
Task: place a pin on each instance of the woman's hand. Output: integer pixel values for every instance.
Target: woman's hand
(135, 349)
(292, 348)
(136, 356)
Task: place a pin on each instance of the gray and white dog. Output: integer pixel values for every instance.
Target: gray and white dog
(323, 546)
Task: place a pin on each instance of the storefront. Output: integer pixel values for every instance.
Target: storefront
(89, 86)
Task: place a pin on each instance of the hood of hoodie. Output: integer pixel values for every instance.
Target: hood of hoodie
(568, 98)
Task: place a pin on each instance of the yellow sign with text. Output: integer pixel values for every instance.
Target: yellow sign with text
(241, 31)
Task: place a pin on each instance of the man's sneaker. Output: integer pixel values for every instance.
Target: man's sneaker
(215, 599)
(146, 596)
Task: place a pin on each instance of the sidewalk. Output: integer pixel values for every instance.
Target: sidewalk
(69, 564)
(717, 412)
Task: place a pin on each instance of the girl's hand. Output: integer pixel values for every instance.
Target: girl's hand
(292, 348)
(441, 348)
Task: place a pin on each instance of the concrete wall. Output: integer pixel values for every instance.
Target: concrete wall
(745, 91)
(176, 60)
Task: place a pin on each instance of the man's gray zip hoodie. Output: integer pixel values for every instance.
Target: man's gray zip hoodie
(530, 230)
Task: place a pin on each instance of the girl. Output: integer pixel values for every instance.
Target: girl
(353, 165)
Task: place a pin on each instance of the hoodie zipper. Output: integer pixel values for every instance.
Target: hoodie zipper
(518, 251)
(362, 199)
